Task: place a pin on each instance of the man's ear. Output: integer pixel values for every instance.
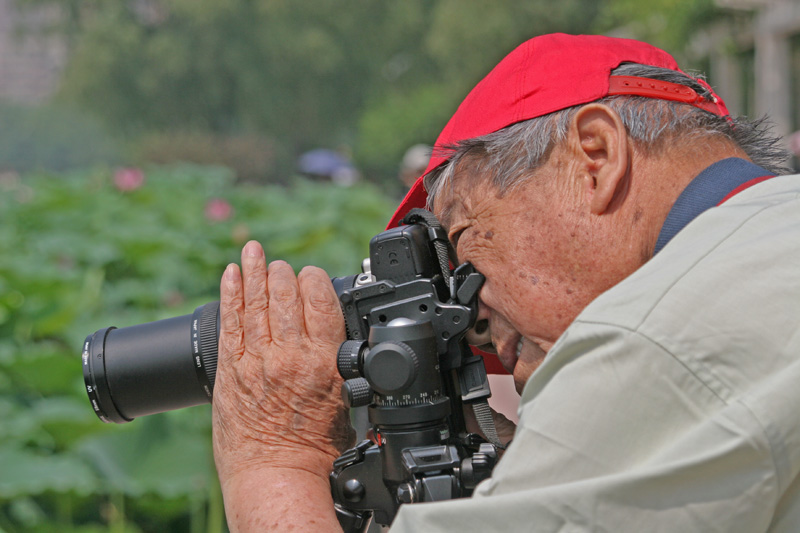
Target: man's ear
(600, 142)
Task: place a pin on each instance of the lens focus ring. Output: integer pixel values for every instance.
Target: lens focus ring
(205, 345)
(208, 331)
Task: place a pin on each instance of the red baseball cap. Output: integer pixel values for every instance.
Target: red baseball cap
(549, 73)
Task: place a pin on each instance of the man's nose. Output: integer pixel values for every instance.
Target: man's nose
(480, 333)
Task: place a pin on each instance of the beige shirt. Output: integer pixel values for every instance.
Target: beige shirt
(673, 401)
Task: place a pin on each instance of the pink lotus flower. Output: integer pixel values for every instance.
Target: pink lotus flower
(128, 179)
(218, 210)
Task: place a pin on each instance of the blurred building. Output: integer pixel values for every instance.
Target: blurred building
(31, 61)
(753, 57)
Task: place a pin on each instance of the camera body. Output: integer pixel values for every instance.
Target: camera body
(406, 358)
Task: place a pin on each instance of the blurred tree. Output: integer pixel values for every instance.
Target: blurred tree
(463, 40)
(375, 76)
(52, 138)
(380, 75)
(669, 24)
(298, 71)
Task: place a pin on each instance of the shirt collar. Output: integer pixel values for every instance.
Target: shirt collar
(707, 190)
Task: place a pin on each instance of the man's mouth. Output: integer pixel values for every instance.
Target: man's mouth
(508, 354)
(488, 348)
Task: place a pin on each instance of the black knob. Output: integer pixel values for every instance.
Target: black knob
(390, 367)
(356, 392)
(406, 493)
(478, 467)
(353, 491)
(348, 357)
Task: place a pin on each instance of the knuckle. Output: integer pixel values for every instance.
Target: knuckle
(283, 293)
(322, 303)
(314, 272)
(229, 318)
(231, 343)
(258, 305)
(288, 328)
(318, 291)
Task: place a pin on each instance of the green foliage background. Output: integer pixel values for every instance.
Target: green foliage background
(76, 255)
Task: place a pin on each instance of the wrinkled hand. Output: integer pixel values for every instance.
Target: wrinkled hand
(277, 397)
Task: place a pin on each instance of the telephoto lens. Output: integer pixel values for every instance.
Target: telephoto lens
(154, 367)
(159, 366)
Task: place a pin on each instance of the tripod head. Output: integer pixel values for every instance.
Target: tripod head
(406, 358)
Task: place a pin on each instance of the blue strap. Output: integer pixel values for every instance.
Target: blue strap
(706, 191)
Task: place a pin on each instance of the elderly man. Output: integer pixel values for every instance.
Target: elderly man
(642, 285)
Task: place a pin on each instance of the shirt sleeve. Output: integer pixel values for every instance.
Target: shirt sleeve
(617, 434)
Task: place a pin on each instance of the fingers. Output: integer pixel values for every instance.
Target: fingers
(273, 305)
(286, 322)
(256, 295)
(321, 308)
(231, 304)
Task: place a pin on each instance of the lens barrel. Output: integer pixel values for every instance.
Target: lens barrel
(154, 367)
(159, 366)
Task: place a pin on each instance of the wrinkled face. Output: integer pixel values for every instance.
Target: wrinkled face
(541, 253)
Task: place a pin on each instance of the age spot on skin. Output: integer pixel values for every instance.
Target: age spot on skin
(489, 235)
(298, 422)
(534, 280)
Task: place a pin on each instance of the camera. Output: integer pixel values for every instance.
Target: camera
(405, 358)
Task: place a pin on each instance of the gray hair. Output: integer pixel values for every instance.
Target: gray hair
(509, 156)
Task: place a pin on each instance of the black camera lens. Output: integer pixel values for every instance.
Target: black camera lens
(154, 367)
(159, 366)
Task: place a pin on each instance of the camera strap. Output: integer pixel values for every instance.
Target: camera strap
(444, 251)
(483, 414)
